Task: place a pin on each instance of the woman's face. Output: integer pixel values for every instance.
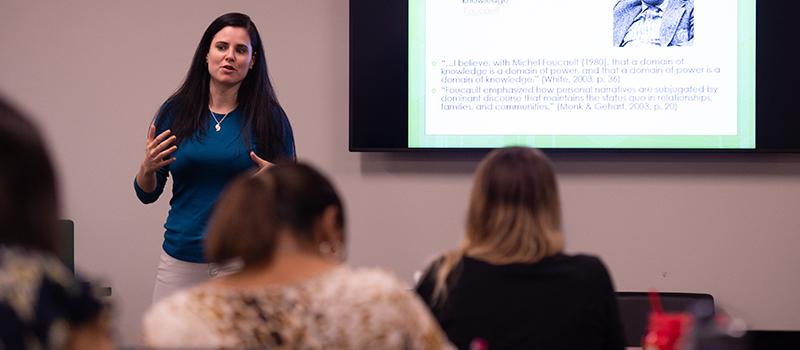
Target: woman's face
(230, 56)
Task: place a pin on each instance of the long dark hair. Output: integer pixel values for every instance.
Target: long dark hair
(258, 104)
(28, 190)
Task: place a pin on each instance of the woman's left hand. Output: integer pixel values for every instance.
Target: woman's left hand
(262, 164)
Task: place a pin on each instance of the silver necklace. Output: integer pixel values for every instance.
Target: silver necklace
(214, 115)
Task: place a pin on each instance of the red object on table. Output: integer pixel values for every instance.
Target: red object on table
(666, 330)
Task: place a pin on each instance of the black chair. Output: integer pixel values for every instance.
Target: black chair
(773, 340)
(67, 253)
(635, 306)
(68, 244)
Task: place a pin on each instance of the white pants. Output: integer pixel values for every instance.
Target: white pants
(174, 275)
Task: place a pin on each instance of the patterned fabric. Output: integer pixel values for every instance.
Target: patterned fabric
(340, 309)
(39, 300)
(645, 29)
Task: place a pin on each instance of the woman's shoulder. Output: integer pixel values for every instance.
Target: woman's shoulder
(380, 310)
(171, 306)
(187, 302)
(369, 291)
(589, 262)
(364, 281)
(358, 307)
(181, 319)
(435, 263)
(580, 263)
(167, 110)
(341, 285)
(588, 268)
(579, 259)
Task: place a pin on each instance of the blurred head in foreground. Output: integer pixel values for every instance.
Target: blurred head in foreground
(286, 224)
(28, 191)
(42, 305)
(287, 199)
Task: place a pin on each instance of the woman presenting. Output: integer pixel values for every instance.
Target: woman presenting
(222, 121)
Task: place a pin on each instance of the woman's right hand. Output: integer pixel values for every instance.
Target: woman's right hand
(155, 158)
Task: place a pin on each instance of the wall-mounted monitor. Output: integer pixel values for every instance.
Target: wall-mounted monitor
(676, 75)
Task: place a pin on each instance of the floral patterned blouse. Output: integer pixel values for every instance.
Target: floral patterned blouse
(39, 300)
(343, 308)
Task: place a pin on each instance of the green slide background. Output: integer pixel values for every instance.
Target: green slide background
(746, 103)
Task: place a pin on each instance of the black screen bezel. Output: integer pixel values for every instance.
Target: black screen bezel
(379, 80)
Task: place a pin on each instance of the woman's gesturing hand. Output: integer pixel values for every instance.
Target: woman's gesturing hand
(262, 164)
(157, 151)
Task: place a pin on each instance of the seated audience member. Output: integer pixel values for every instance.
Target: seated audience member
(42, 305)
(286, 224)
(509, 285)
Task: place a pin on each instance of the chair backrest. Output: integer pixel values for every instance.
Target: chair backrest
(67, 254)
(635, 306)
(773, 340)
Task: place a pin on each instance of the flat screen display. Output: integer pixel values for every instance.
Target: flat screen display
(702, 75)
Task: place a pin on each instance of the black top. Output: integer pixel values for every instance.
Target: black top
(561, 302)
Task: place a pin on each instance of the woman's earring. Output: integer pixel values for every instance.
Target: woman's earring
(325, 249)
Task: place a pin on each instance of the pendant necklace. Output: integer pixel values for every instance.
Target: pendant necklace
(214, 115)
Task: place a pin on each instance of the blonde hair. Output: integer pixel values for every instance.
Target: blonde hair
(514, 214)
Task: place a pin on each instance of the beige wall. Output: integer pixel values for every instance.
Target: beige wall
(94, 72)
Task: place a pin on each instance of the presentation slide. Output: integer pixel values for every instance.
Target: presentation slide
(585, 74)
